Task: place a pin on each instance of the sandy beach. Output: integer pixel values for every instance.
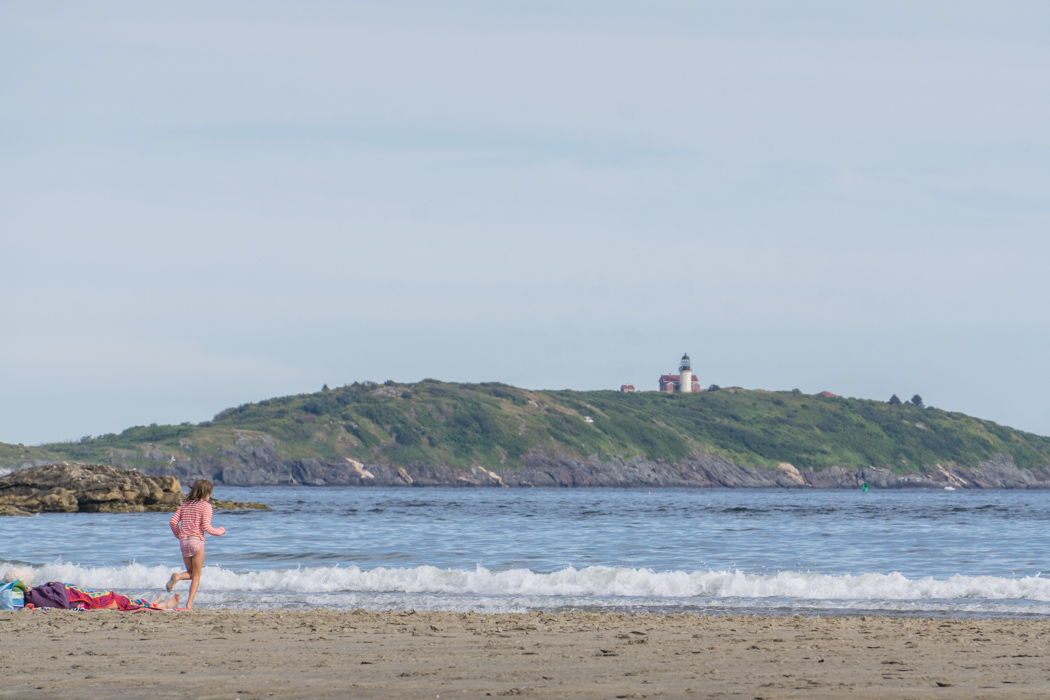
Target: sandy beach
(286, 653)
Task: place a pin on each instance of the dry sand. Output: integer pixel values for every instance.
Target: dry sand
(226, 654)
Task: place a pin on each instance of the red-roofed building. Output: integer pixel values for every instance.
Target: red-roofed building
(627, 388)
(671, 383)
(674, 382)
(828, 394)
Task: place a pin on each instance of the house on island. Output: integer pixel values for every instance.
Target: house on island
(683, 382)
(627, 388)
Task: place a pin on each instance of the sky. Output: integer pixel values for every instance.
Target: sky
(205, 204)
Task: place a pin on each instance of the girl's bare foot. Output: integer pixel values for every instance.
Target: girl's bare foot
(169, 603)
(172, 581)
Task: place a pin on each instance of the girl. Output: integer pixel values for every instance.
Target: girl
(190, 522)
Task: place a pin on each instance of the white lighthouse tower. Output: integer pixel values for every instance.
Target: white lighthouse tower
(685, 381)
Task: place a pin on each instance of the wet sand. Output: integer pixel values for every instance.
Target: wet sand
(286, 654)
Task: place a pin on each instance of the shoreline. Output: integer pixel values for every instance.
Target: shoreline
(361, 653)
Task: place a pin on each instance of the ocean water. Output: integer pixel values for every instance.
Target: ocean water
(718, 551)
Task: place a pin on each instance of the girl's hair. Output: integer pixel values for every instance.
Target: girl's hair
(200, 490)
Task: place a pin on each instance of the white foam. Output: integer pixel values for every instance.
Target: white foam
(597, 586)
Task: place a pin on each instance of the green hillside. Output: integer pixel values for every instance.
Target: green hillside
(494, 425)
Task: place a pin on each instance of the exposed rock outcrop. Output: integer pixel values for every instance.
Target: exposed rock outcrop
(260, 466)
(219, 504)
(91, 488)
(94, 488)
(11, 510)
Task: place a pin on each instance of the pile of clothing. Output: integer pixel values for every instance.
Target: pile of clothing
(18, 592)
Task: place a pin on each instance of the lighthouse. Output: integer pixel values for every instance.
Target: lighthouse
(685, 370)
(683, 381)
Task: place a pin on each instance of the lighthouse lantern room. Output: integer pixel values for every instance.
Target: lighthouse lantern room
(685, 370)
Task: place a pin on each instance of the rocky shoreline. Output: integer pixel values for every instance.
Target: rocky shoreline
(257, 464)
(104, 488)
(94, 488)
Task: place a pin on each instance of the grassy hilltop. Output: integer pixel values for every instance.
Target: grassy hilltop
(494, 425)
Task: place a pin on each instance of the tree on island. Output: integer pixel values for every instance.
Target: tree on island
(713, 387)
(917, 401)
(895, 401)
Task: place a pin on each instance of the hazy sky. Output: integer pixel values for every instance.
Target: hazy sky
(204, 204)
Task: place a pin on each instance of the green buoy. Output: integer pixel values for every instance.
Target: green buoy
(865, 487)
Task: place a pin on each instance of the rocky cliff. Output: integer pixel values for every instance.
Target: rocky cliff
(259, 465)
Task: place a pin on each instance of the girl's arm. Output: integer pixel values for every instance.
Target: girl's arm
(206, 522)
(174, 522)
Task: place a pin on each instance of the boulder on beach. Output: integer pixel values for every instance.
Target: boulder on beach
(93, 488)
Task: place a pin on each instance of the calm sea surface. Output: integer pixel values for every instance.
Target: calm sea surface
(713, 551)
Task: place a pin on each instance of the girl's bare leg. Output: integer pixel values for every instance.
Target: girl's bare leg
(194, 565)
(181, 576)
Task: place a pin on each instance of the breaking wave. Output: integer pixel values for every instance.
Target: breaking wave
(590, 588)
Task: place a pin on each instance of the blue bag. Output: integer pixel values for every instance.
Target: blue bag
(12, 596)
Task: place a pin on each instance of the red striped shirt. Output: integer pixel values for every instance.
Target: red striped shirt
(193, 519)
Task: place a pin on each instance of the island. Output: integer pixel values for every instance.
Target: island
(435, 433)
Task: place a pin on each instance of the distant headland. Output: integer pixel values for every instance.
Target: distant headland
(434, 433)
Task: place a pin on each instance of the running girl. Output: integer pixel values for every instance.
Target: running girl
(190, 522)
